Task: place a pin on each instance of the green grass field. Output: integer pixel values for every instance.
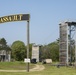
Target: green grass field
(49, 70)
(14, 66)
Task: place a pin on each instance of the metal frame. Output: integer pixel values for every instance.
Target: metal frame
(19, 17)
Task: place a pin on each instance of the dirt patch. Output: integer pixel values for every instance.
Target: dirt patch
(38, 68)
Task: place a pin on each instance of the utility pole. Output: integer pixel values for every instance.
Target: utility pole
(27, 45)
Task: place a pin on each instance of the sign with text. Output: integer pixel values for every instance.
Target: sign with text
(18, 17)
(27, 60)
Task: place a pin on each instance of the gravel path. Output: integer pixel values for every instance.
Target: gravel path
(36, 68)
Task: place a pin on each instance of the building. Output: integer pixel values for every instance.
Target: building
(5, 55)
(36, 53)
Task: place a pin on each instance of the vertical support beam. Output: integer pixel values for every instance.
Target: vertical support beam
(75, 46)
(28, 45)
(75, 52)
(70, 44)
(67, 47)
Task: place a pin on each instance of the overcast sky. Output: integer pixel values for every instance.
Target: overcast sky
(44, 21)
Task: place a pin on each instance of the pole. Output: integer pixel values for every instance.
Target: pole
(67, 46)
(75, 52)
(75, 46)
(70, 46)
(28, 45)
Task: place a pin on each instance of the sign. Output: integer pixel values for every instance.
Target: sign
(27, 60)
(18, 17)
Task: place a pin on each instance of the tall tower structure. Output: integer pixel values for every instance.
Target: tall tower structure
(36, 52)
(65, 44)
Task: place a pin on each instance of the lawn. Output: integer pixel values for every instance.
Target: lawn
(14, 66)
(49, 70)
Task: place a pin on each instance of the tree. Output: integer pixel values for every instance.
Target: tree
(3, 44)
(30, 50)
(54, 50)
(3, 41)
(51, 51)
(45, 52)
(18, 50)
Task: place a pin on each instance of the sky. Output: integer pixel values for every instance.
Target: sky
(45, 16)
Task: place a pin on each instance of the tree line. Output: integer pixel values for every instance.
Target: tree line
(19, 50)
